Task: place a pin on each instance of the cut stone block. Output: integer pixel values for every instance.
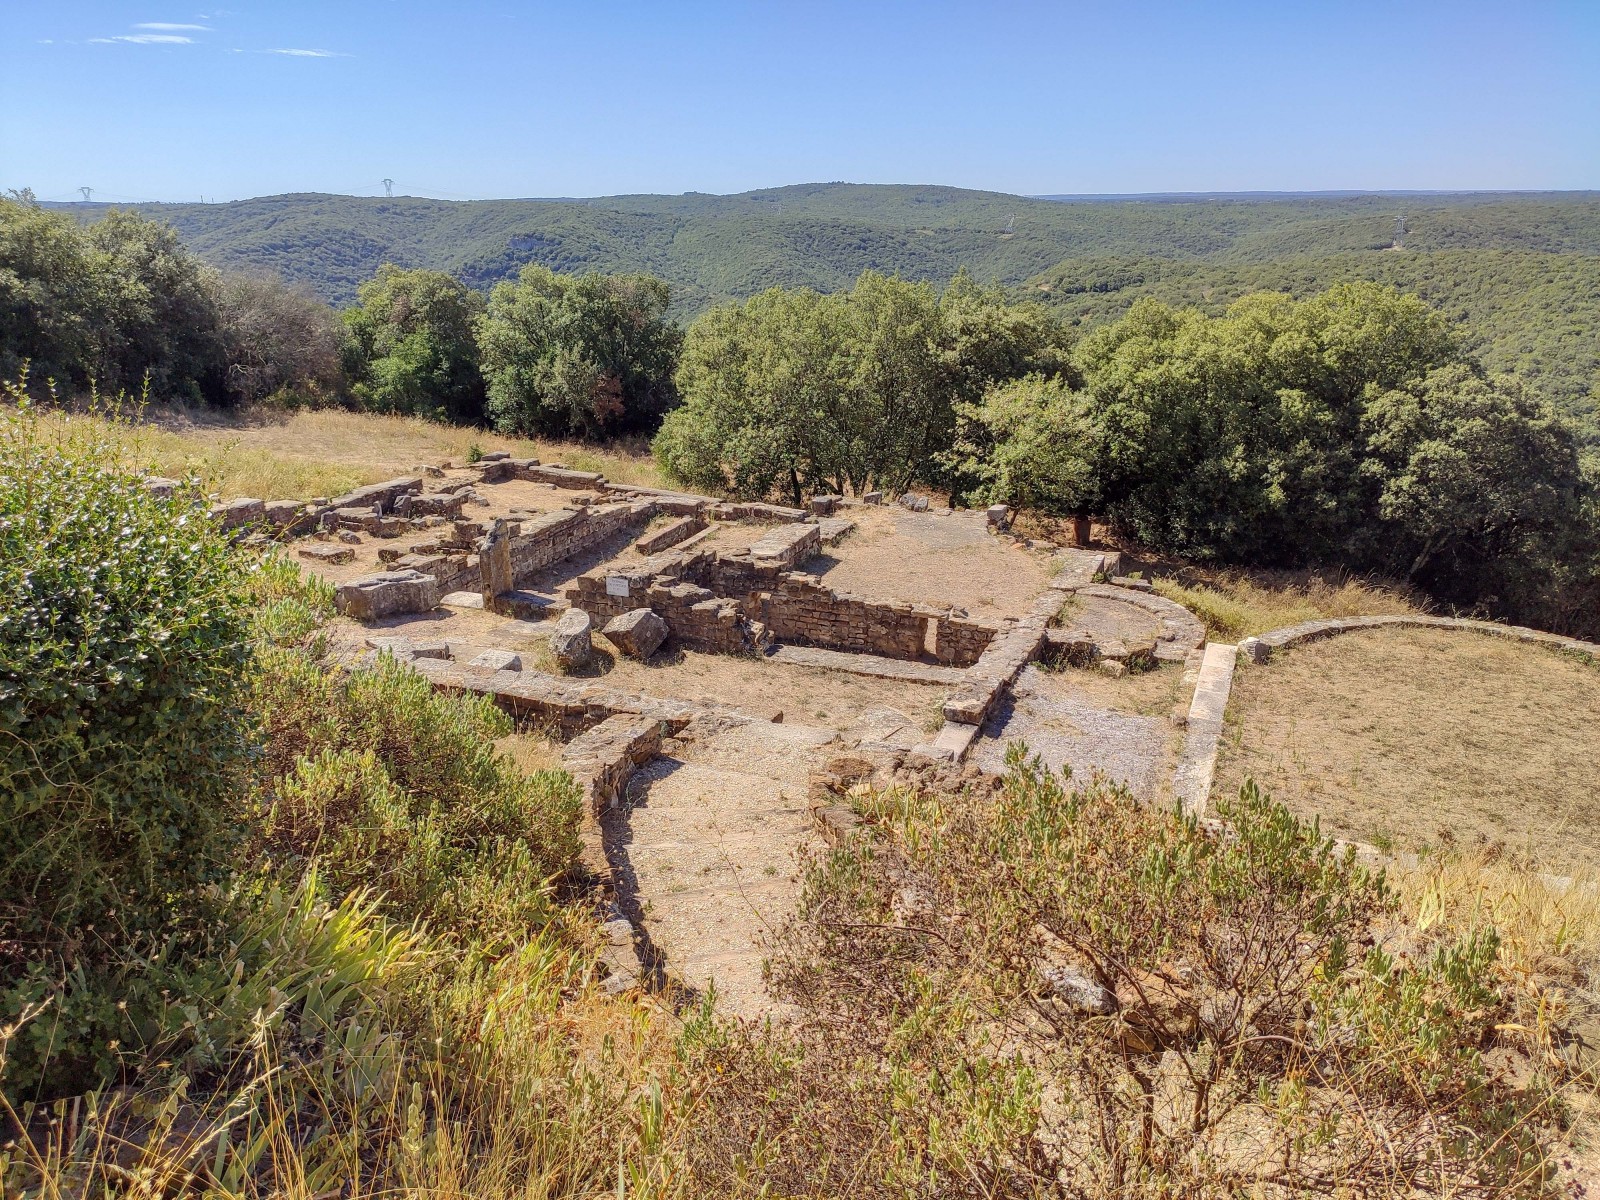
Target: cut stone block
(160, 487)
(462, 600)
(239, 512)
(497, 660)
(823, 506)
(637, 633)
(385, 593)
(872, 498)
(570, 640)
(328, 555)
(999, 516)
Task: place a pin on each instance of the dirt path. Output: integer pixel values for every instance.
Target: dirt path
(706, 855)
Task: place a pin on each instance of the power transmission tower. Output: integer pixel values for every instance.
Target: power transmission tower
(87, 192)
(1400, 230)
(1011, 225)
(388, 188)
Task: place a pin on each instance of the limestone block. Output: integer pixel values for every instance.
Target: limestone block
(238, 512)
(497, 660)
(824, 506)
(872, 498)
(637, 633)
(350, 537)
(570, 641)
(999, 516)
(327, 555)
(385, 593)
(160, 487)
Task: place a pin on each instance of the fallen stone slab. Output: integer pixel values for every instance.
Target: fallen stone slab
(327, 554)
(951, 743)
(386, 593)
(407, 649)
(561, 477)
(638, 633)
(161, 487)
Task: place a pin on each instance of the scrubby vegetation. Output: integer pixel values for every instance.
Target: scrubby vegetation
(309, 933)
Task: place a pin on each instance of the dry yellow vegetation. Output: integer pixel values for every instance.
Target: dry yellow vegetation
(1422, 738)
(1236, 604)
(321, 452)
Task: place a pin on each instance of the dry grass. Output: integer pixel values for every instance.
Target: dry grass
(305, 453)
(1426, 738)
(1236, 604)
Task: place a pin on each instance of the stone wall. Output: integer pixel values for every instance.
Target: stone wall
(551, 537)
(772, 602)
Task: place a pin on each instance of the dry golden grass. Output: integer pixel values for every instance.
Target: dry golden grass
(1425, 738)
(1237, 604)
(305, 453)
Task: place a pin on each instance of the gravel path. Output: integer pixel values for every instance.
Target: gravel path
(1068, 730)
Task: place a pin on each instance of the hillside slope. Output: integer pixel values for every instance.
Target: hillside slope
(1533, 314)
(824, 235)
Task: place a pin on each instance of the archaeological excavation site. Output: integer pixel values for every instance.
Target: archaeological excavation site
(719, 675)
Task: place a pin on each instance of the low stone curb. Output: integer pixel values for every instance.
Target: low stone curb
(1260, 649)
(1197, 767)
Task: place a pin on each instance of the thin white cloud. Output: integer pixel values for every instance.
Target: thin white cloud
(47, 41)
(308, 53)
(147, 39)
(169, 27)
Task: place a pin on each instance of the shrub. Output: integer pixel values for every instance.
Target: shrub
(1068, 992)
(123, 646)
(384, 782)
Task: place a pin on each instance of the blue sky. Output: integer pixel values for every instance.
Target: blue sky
(177, 99)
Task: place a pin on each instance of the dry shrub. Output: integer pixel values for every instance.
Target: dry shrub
(1067, 993)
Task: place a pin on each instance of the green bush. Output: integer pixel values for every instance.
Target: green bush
(383, 782)
(123, 647)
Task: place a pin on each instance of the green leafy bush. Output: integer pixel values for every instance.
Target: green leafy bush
(123, 649)
(384, 782)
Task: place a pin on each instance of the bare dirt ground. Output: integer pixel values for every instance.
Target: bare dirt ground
(806, 695)
(931, 558)
(1422, 738)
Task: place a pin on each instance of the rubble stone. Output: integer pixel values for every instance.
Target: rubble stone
(638, 633)
(570, 641)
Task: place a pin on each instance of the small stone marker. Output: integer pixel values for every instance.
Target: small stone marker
(872, 498)
(570, 642)
(637, 633)
(999, 516)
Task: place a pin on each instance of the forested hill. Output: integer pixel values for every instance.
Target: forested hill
(1523, 268)
(824, 235)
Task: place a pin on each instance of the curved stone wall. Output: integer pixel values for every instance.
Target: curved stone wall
(1260, 649)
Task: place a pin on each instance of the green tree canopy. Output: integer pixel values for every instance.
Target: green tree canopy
(578, 356)
(413, 345)
(1348, 428)
(794, 390)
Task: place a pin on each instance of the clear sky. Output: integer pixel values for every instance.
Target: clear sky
(177, 99)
